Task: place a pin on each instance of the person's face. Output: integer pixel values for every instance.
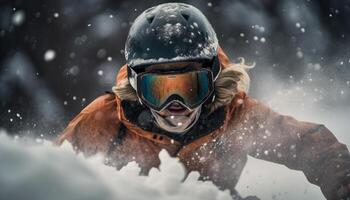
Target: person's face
(175, 108)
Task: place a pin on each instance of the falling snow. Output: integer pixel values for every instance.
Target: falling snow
(49, 55)
(18, 18)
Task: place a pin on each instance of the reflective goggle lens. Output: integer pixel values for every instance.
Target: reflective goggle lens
(192, 88)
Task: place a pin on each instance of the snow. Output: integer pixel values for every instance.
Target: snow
(168, 31)
(160, 60)
(18, 69)
(49, 55)
(101, 53)
(104, 25)
(300, 54)
(18, 17)
(262, 40)
(271, 181)
(38, 170)
(80, 40)
(74, 70)
(106, 73)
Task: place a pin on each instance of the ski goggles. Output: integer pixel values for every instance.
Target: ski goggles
(191, 88)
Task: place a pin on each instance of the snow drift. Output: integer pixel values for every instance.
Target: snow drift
(46, 172)
(36, 169)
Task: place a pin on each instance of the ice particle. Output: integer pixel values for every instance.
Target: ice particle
(73, 70)
(18, 18)
(101, 53)
(317, 66)
(262, 40)
(49, 55)
(300, 54)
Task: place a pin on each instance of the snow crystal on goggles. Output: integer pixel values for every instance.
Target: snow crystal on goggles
(158, 90)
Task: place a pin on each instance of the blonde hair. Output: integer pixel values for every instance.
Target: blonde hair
(232, 79)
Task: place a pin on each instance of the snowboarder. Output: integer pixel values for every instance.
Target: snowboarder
(180, 92)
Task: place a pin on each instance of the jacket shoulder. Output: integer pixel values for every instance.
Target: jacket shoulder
(101, 103)
(242, 104)
(254, 107)
(94, 127)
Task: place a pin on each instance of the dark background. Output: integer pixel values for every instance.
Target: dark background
(289, 40)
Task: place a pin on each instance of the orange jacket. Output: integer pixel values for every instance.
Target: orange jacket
(248, 128)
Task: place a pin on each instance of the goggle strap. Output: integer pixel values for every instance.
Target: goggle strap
(132, 76)
(216, 68)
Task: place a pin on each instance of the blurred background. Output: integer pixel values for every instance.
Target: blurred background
(57, 56)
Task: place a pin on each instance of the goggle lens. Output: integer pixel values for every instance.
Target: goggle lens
(191, 88)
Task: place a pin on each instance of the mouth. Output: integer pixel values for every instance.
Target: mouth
(176, 108)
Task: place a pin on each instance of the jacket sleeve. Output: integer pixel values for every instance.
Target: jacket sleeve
(93, 129)
(300, 145)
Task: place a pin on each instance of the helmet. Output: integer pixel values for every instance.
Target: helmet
(171, 33)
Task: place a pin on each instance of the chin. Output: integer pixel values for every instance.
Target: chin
(176, 120)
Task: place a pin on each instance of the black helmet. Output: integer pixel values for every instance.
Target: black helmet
(171, 32)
